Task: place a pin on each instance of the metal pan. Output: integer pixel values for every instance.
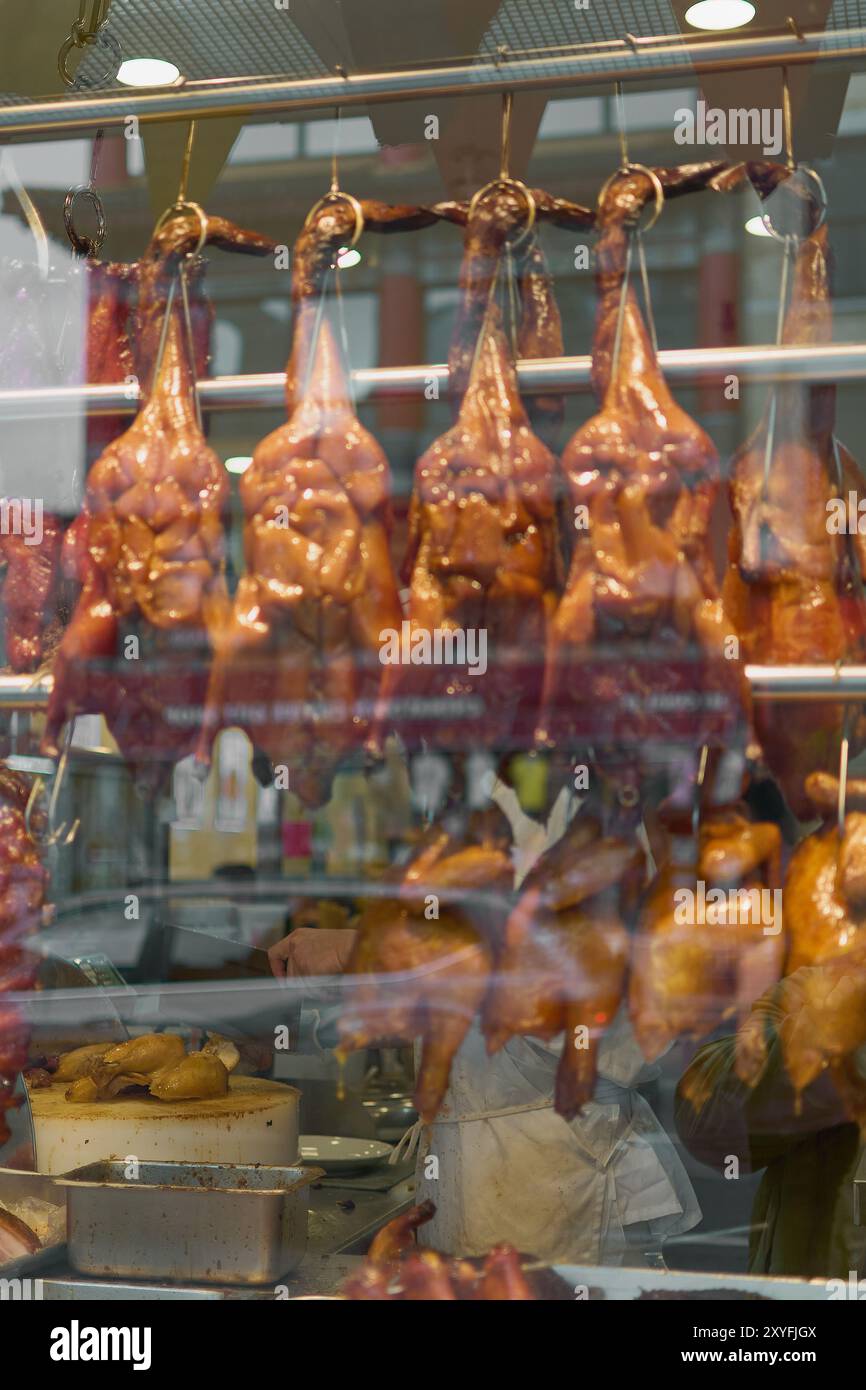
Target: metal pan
(211, 1223)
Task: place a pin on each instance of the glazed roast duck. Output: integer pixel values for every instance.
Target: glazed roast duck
(415, 973)
(296, 657)
(794, 588)
(148, 549)
(818, 1011)
(637, 646)
(483, 551)
(561, 966)
(34, 599)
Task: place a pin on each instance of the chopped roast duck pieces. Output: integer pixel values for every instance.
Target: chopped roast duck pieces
(23, 882)
(422, 976)
(16, 1238)
(563, 962)
(149, 553)
(709, 936)
(793, 586)
(297, 662)
(396, 1269)
(637, 644)
(819, 1008)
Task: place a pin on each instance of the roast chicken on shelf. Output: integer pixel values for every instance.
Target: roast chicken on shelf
(818, 1011)
(147, 549)
(23, 887)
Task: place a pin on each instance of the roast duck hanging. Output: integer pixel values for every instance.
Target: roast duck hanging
(818, 1011)
(464, 670)
(561, 965)
(710, 934)
(148, 547)
(35, 601)
(794, 585)
(297, 659)
(421, 964)
(640, 649)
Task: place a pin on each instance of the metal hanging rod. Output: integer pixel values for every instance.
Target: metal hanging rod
(789, 683)
(619, 60)
(836, 362)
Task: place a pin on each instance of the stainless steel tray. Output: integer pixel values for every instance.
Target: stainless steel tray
(205, 1223)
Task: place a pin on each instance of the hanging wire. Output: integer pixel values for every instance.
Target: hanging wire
(619, 103)
(647, 297)
(787, 122)
(505, 135)
(787, 253)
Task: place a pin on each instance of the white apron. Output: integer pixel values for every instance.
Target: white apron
(606, 1188)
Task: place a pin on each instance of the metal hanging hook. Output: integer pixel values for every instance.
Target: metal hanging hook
(85, 245)
(803, 171)
(336, 194)
(54, 834)
(504, 179)
(505, 135)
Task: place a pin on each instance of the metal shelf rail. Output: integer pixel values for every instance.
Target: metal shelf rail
(597, 64)
(790, 683)
(834, 362)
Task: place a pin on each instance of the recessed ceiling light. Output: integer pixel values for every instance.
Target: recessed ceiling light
(719, 14)
(239, 463)
(756, 227)
(147, 72)
(347, 257)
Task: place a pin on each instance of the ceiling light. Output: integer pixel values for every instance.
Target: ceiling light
(347, 257)
(719, 14)
(756, 226)
(239, 463)
(147, 72)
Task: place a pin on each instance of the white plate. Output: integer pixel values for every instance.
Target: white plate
(337, 1154)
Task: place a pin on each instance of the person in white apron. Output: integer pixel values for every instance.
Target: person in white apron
(501, 1165)
(605, 1188)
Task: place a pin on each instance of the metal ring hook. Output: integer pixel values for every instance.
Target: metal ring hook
(183, 205)
(517, 186)
(658, 190)
(808, 173)
(337, 195)
(84, 245)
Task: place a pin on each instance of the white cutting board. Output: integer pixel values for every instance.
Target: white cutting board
(257, 1122)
